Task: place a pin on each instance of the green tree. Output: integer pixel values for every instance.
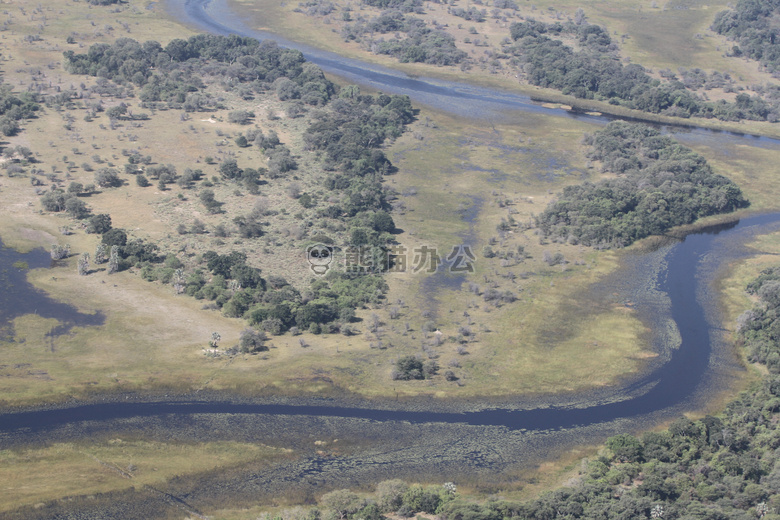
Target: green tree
(115, 237)
(117, 112)
(100, 254)
(229, 169)
(389, 494)
(252, 340)
(76, 208)
(113, 260)
(241, 117)
(383, 222)
(107, 178)
(423, 500)
(208, 199)
(343, 502)
(625, 447)
(83, 264)
(53, 200)
(99, 224)
(75, 188)
(409, 367)
(59, 252)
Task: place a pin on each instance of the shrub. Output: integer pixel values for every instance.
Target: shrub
(76, 208)
(252, 340)
(107, 178)
(408, 367)
(99, 224)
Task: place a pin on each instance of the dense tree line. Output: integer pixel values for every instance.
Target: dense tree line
(351, 133)
(407, 6)
(752, 24)
(347, 132)
(173, 74)
(595, 72)
(390, 497)
(660, 184)
(472, 14)
(723, 467)
(273, 305)
(760, 327)
(421, 43)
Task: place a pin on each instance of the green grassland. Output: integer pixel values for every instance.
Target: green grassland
(28, 476)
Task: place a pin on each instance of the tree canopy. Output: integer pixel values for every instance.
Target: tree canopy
(660, 184)
(595, 72)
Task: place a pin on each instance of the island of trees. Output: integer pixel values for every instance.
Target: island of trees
(659, 184)
(752, 26)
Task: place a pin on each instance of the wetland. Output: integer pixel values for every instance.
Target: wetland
(341, 437)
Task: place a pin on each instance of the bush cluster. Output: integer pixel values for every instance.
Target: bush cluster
(421, 44)
(173, 75)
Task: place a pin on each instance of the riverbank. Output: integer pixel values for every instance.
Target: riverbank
(312, 34)
(677, 294)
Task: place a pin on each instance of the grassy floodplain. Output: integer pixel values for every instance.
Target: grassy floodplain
(113, 465)
(161, 323)
(553, 339)
(149, 341)
(509, 171)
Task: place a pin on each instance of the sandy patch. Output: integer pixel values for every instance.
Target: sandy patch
(37, 235)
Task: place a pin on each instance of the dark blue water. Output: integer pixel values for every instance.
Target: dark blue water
(670, 385)
(18, 297)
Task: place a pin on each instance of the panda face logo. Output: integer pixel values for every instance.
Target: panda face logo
(320, 257)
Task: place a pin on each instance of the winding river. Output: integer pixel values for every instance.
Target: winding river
(670, 286)
(462, 99)
(689, 266)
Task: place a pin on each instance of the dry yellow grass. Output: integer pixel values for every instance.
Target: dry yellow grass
(29, 478)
